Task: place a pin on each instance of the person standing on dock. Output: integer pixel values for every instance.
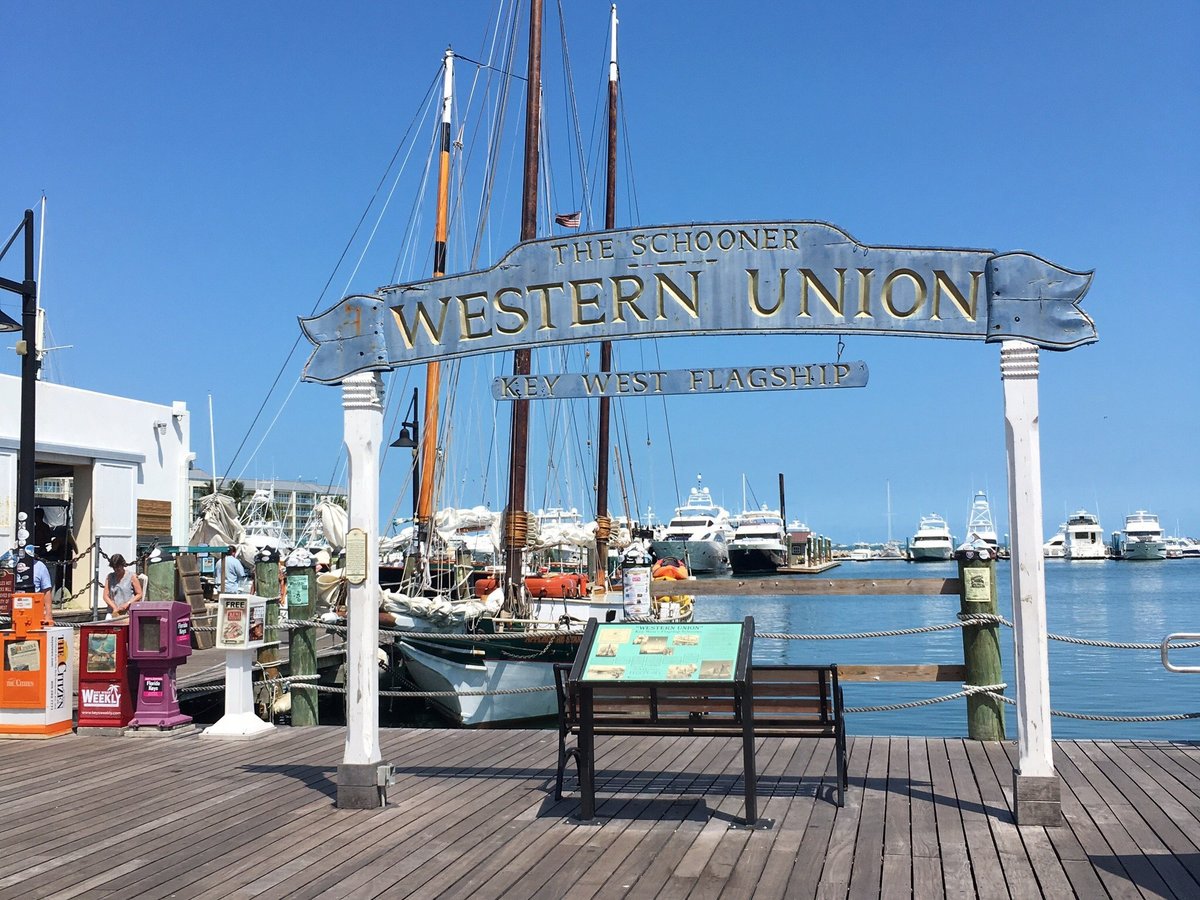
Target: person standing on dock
(235, 572)
(122, 588)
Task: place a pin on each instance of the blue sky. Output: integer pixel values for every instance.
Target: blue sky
(206, 165)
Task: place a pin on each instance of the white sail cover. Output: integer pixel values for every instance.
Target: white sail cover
(334, 522)
(218, 525)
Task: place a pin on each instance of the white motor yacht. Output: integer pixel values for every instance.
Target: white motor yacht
(1084, 538)
(698, 535)
(862, 552)
(1056, 547)
(1142, 538)
(757, 545)
(932, 542)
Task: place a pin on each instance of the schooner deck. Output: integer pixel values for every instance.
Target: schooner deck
(472, 814)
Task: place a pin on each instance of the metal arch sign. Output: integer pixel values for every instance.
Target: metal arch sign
(702, 279)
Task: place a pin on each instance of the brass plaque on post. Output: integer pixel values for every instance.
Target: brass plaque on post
(356, 556)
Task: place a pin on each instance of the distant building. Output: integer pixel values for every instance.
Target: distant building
(292, 502)
(109, 471)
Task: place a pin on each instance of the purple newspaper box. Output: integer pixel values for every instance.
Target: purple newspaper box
(159, 640)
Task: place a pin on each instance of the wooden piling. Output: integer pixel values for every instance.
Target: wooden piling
(266, 584)
(301, 596)
(981, 647)
(160, 580)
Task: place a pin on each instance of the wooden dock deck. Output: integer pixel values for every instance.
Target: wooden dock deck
(472, 815)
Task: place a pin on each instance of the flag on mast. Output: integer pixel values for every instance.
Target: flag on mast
(568, 220)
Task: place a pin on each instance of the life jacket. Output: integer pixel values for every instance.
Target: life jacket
(669, 568)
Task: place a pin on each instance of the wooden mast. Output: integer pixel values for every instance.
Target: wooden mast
(603, 523)
(515, 520)
(433, 370)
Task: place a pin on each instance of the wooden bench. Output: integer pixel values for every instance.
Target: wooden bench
(779, 701)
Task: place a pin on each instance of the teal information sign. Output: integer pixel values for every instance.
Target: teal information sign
(667, 652)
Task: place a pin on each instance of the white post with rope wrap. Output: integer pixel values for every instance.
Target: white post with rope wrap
(358, 775)
(1036, 787)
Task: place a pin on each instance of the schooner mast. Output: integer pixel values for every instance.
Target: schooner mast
(516, 520)
(603, 522)
(423, 514)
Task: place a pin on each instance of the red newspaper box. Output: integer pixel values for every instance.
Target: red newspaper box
(107, 682)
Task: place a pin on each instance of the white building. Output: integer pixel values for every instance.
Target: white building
(292, 502)
(124, 461)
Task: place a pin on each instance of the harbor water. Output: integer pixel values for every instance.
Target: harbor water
(1097, 600)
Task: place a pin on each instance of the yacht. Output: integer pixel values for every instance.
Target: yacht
(1084, 538)
(932, 542)
(1056, 547)
(698, 535)
(1182, 548)
(1142, 538)
(757, 545)
(862, 552)
(979, 523)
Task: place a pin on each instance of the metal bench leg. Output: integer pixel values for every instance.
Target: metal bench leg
(563, 755)
(842, 776)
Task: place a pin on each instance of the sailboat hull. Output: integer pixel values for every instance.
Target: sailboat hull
(436, 668)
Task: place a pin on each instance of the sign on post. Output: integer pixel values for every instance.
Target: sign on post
(697, 279)
(730, 380)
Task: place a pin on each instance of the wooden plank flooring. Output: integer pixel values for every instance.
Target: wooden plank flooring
(472, 815)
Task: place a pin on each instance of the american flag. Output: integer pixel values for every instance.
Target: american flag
(568, 220)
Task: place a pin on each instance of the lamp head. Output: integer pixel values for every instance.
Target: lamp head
(8, 323)
(407, 437)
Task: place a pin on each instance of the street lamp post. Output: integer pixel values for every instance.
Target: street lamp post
(410, 436)
(27, 350)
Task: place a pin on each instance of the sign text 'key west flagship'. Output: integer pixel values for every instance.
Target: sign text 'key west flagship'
(702, 279)
(700, 380)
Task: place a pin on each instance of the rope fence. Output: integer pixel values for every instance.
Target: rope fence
(566, 628)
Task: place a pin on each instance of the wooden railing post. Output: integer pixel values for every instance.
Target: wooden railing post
(981, 644)
(266, 584)
(160, 580)
(302, 642)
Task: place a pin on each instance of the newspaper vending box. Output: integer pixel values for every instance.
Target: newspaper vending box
(160, 638)
(107, 682)
(36, 687)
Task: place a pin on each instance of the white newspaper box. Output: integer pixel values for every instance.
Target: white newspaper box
(241, 621)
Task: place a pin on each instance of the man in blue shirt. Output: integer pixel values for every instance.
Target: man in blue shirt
(41, 577)
(234, 572)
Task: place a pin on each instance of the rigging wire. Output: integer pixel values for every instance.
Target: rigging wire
(329, 281)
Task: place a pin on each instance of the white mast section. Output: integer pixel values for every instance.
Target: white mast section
(612, 60)
(212, 443)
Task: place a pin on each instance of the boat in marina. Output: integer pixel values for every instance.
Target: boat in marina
(862, 552)
(698, 534)
(1056, 546)
(1083, 538)
(527, 619)
(1141, 540)
(979, 523)
(758, 543)
(932, 542)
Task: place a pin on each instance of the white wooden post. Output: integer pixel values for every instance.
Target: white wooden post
(1037, 799)
(358, 783)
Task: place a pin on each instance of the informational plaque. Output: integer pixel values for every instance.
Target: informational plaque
(978, 581)
(634, 651)
(356, 556)
(297, 590)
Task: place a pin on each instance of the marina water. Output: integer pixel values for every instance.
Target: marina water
(1097, 600)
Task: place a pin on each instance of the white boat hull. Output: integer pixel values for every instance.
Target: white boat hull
(433, 673)
(700, 557)
(931, 554)
(1143, 551)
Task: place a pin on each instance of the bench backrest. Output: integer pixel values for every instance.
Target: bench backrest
(784, 698)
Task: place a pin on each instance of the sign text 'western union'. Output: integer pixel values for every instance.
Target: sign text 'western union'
(737, 379)
(702, 279)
